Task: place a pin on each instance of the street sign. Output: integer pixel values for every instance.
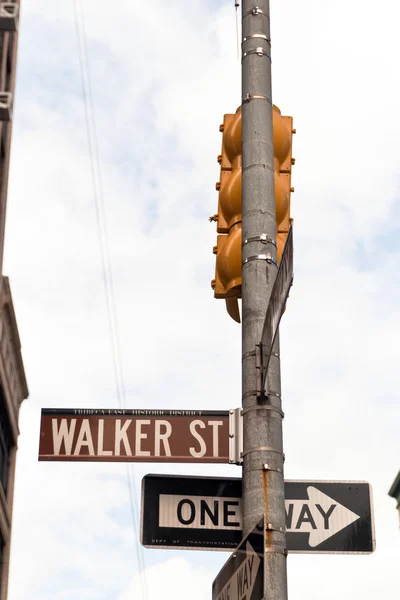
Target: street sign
(140, 435)
(276, 306)
(242, 576)
(205, 513)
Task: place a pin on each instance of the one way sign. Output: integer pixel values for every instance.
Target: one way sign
(242, 576)
(206, 514)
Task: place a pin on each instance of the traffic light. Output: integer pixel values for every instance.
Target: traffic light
(283, 162)
(228, 266)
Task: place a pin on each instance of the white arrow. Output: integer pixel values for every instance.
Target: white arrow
(240, 585)
(320, 515)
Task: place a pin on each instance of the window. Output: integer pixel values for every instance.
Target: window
(3, 134)
(5, 441)
(9, 64)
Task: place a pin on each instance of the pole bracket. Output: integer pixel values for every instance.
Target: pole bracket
(271, 527)
(249, 97)
(261, 375)
(248, 354)
(249, 395)
(258, 36)
(268, 257)
(263, 238)
(235, 436)
(263, 449)
(255, 11)
(262, 392)
(277, 470)
(261, 406)
(259, 51)
(272, 467)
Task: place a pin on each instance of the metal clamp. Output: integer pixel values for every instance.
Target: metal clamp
(263, 238)
(255, 11)
(250, 394)
(261, 406)
(262, 382)
(275, 468)
(268, 257)
(259, 51)
(263, 449)
(258, 36)
(235, 436)
(249, 97)
(270, 527)
(258, 469)
(261, 388)
(248, 354)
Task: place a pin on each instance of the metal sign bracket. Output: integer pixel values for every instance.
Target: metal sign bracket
(261, 375)
(235, 436)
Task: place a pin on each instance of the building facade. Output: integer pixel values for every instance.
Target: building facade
(13, 387)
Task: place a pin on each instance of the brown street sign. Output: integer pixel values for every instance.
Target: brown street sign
(134, 435)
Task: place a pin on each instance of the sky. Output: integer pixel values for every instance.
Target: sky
(162, 76)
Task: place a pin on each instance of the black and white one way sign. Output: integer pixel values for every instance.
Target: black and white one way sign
(206, 513)
(242, 576)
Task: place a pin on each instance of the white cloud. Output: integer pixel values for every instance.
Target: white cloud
(177, 576)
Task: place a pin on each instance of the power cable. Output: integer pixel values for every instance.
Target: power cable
(107, 275)
(237, 28)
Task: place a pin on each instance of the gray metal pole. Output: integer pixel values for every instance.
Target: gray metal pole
(263, 483)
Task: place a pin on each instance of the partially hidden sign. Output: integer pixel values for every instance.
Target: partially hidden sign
(242, 576)
(135, 435)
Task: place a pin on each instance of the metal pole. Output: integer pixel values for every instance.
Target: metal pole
(263, 483)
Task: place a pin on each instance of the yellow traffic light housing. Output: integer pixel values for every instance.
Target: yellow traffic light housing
(283, 161)
(228, 272)
(228, 267)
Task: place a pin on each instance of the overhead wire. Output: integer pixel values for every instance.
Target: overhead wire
(107, 274)
(237, 28)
